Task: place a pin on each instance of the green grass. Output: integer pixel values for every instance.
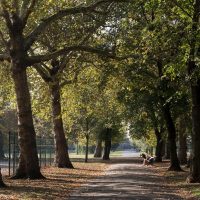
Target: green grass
(82, 156)
(112, 154)
(74, 155)
(116, 153)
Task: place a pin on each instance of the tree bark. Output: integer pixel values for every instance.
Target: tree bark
(175, 165)
(174, 162)
(163, 148)
(29, 164)
(21, 170)
(2, 184)
(195, 167)
(167, 150)
(195, 91)
(182, 153)
(107, 147)
(62, 159)
(159, 145)
(2, 156)
(98, 149)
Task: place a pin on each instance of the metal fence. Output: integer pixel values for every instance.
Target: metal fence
(10, 161)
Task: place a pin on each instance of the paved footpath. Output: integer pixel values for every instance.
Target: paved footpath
(126, 179)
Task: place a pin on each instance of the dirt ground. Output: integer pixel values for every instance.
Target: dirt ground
(57, 185)
(121, 178)
(127, 179)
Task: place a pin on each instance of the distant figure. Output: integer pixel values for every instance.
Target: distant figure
(148, 160)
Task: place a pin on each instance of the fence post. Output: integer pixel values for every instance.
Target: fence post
(9, 151)
(77, 148)
(45, 155)
(14, 152)
(50, 156)
(40, 150)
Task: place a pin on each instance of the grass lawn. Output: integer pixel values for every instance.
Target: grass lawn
(57, 185)
(116, 153)
(112, 154)
(74, 155)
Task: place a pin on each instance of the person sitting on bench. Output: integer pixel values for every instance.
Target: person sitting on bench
(148, 160)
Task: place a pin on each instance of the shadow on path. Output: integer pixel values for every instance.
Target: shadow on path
(127, 179)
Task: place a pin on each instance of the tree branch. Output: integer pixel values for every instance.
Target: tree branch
(31, 38)
(4, 57)
(42, 72)
(178, 5)
(6, 15)
(67, 82)
(144, 13)
(74, 80)
(85, 39)
(64, 62)
(40, 58)
(26, 13)
(4, 41)
(16, 5)
(24, 5)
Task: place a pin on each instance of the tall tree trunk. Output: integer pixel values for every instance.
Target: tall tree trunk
(21, 170)
(29, 164)
(151, 151)
(107, 147)
(106, 155)
(167, 149)
(86, 149)
(163, 148)
(195, 90)
(2, 184)
(159, 145)
(98, 149)
(195, 167)
(1, 146)
(77, 148)
(174, 165)
(62, 159)
(182, 153)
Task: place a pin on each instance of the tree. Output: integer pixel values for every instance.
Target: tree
(53, 73)
(2, 184)
(108, 141)
(6, 104)
(94, 109)
(192, 64)
(19, 36)
(182, 139)
(87, 90)
(98, 149)
(159, 56)
(1, 146)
